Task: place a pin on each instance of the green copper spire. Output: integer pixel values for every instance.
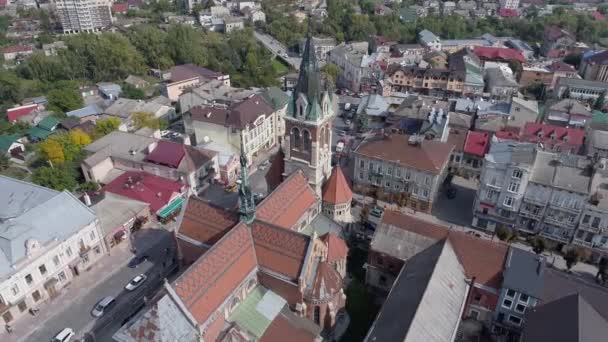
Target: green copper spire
(246, 201)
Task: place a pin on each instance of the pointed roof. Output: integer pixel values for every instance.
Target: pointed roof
(336, 247)
(336, 190)
(308, 78)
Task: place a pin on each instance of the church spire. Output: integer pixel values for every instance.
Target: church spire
(246, 201)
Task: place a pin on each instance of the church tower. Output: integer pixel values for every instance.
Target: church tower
(307, 141)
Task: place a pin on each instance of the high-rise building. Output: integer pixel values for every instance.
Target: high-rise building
(308, 119)
(78, 16)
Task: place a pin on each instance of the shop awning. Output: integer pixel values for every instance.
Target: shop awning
(171, 207)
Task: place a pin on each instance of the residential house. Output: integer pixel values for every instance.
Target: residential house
(164, 197)
(182, 77)
(16, 113)
(43, 129)
(568, 113)
(90, 113)
(49, 237)
(500, 81)
(136, 82)
(556, 41)
(373, 110)
(526, 50)
(553, 138)
(124, 109)
(108, 90)
(465, 62)
(53, 48)
(534, 75)
(522, 288)
(595, 67)
(447, 7)
(322, 47)
(561, 69)
(250, 124)
(409, 167)
(399, 239)
(12, 146)
(437, 59)
(34, 117)
(429, 40)
(578, 89)
(521, 112)
(509, 4)
(498, 54)
(254, 15)
(233, 23)
(432, 81)
(506, 171)
(17, 52)
(477, 144)
(354, 70)
(117, 216)
(214, 91)
(596, 144)
(278, 100)
(117, 152)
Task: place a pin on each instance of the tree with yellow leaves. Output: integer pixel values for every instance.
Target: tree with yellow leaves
(79, 138)
(144, 119)
(53, 151)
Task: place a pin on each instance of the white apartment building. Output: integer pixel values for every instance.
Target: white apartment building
(46, 239)
(252, 121)
(352, 59)
(78, 16)
(504, 178)
(509, 4)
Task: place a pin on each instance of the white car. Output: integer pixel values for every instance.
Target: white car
(136, 282)
(64, 335)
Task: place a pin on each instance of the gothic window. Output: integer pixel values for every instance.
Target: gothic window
(328, 135)
(317, 315)
(307, 142)
(323, 139)
(295, 138)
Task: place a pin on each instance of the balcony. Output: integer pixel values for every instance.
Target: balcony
(582, 243)
(566, 209)
(589, 228)
(560, 221)
(84, 249)
(530, 214)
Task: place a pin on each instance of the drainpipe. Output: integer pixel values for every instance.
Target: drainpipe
(468, 300)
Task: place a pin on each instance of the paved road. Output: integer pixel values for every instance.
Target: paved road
(78, 315)
(277, 49)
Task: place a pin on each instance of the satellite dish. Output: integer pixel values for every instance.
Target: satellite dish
(206, 139)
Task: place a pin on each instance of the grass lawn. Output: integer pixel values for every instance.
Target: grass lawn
(16, 173)
(279, 67)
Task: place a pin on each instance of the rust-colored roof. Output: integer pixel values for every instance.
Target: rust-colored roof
(216, 274)
(429, 156)
(480, 258)
(288, 203)
(327, 282)
(336, 247)
(279, 250)
(205, 222)
(336, 190)
(288, 327)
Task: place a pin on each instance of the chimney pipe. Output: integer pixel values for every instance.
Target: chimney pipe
(87, 199)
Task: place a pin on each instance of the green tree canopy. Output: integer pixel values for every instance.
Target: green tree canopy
(64, 100)
(185, 45)
(58, 178)
(106, 126)
(151, 42)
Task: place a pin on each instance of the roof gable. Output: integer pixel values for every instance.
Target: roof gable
(205, 222)
(142, 186)
(167, 153)
(336, 190)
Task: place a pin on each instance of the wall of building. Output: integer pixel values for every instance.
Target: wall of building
(174, 90)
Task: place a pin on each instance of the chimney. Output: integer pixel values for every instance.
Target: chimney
(87, 199)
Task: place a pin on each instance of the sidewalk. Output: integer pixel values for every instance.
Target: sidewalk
(78, 287)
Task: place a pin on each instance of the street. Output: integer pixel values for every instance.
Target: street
(277, 49)
(77, 315)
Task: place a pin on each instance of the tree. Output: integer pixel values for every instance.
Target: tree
(4, 162)
(602, 270)
(79, 137)
(504, 234)
(573, 256)
(151, 42)
(143, 119)
(331, 72)
(53, 151)
(106, 126)
(130, 92)
(58, 178)
(64, 100)
(181, 36)
(539, 245)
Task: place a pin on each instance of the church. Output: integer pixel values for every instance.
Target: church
(271, 270)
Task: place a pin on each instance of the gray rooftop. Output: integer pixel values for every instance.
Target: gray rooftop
(92, 109)
(398, 242)
(123, 108)
(373, 105)
(579, 83)
(426, 301)
(33, 213)
(114, 210)
(524, 272)
(568, 172)
(427, 36)
(118, 144)
(511, 152)
(569, 319)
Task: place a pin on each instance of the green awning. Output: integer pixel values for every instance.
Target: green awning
(171, 207)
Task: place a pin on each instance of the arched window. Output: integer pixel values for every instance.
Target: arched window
(295, 138)
(317, 315)
(328, 136)
(323, 137)
(307, 142)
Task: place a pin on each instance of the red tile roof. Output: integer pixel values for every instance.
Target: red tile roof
(205, 222)
(477, 143)
(508, 135)
(336, 247)
(496, 53)
(167, 153)
(327, 282)
(480, 258)
(508, 13)
(14, 114)
(554, 53)
(142, 186)
(430, 155)
(216, 274)
(239, 115)
(288, 203)
(279, 250)
(550, 135)
(336, 190)
(120, 8)
(17, 48)
(561, 66)
(457, 137)
(285, 328)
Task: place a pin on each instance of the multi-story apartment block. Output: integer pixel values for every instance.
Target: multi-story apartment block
(595, 67)
(322, 47)
(411, 78)
(354, 64)
(509, 4)
(506, 172)
(578, 89)
(48, 238)
(408, 168)
(78, 16)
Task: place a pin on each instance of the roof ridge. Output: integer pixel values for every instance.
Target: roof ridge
(279, 228)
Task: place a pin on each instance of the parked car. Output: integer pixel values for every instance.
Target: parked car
(231, 188)
(103, 306)
(136, 282)
(376, 212)
(64, 335)
(347, 106)
(138, 260)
